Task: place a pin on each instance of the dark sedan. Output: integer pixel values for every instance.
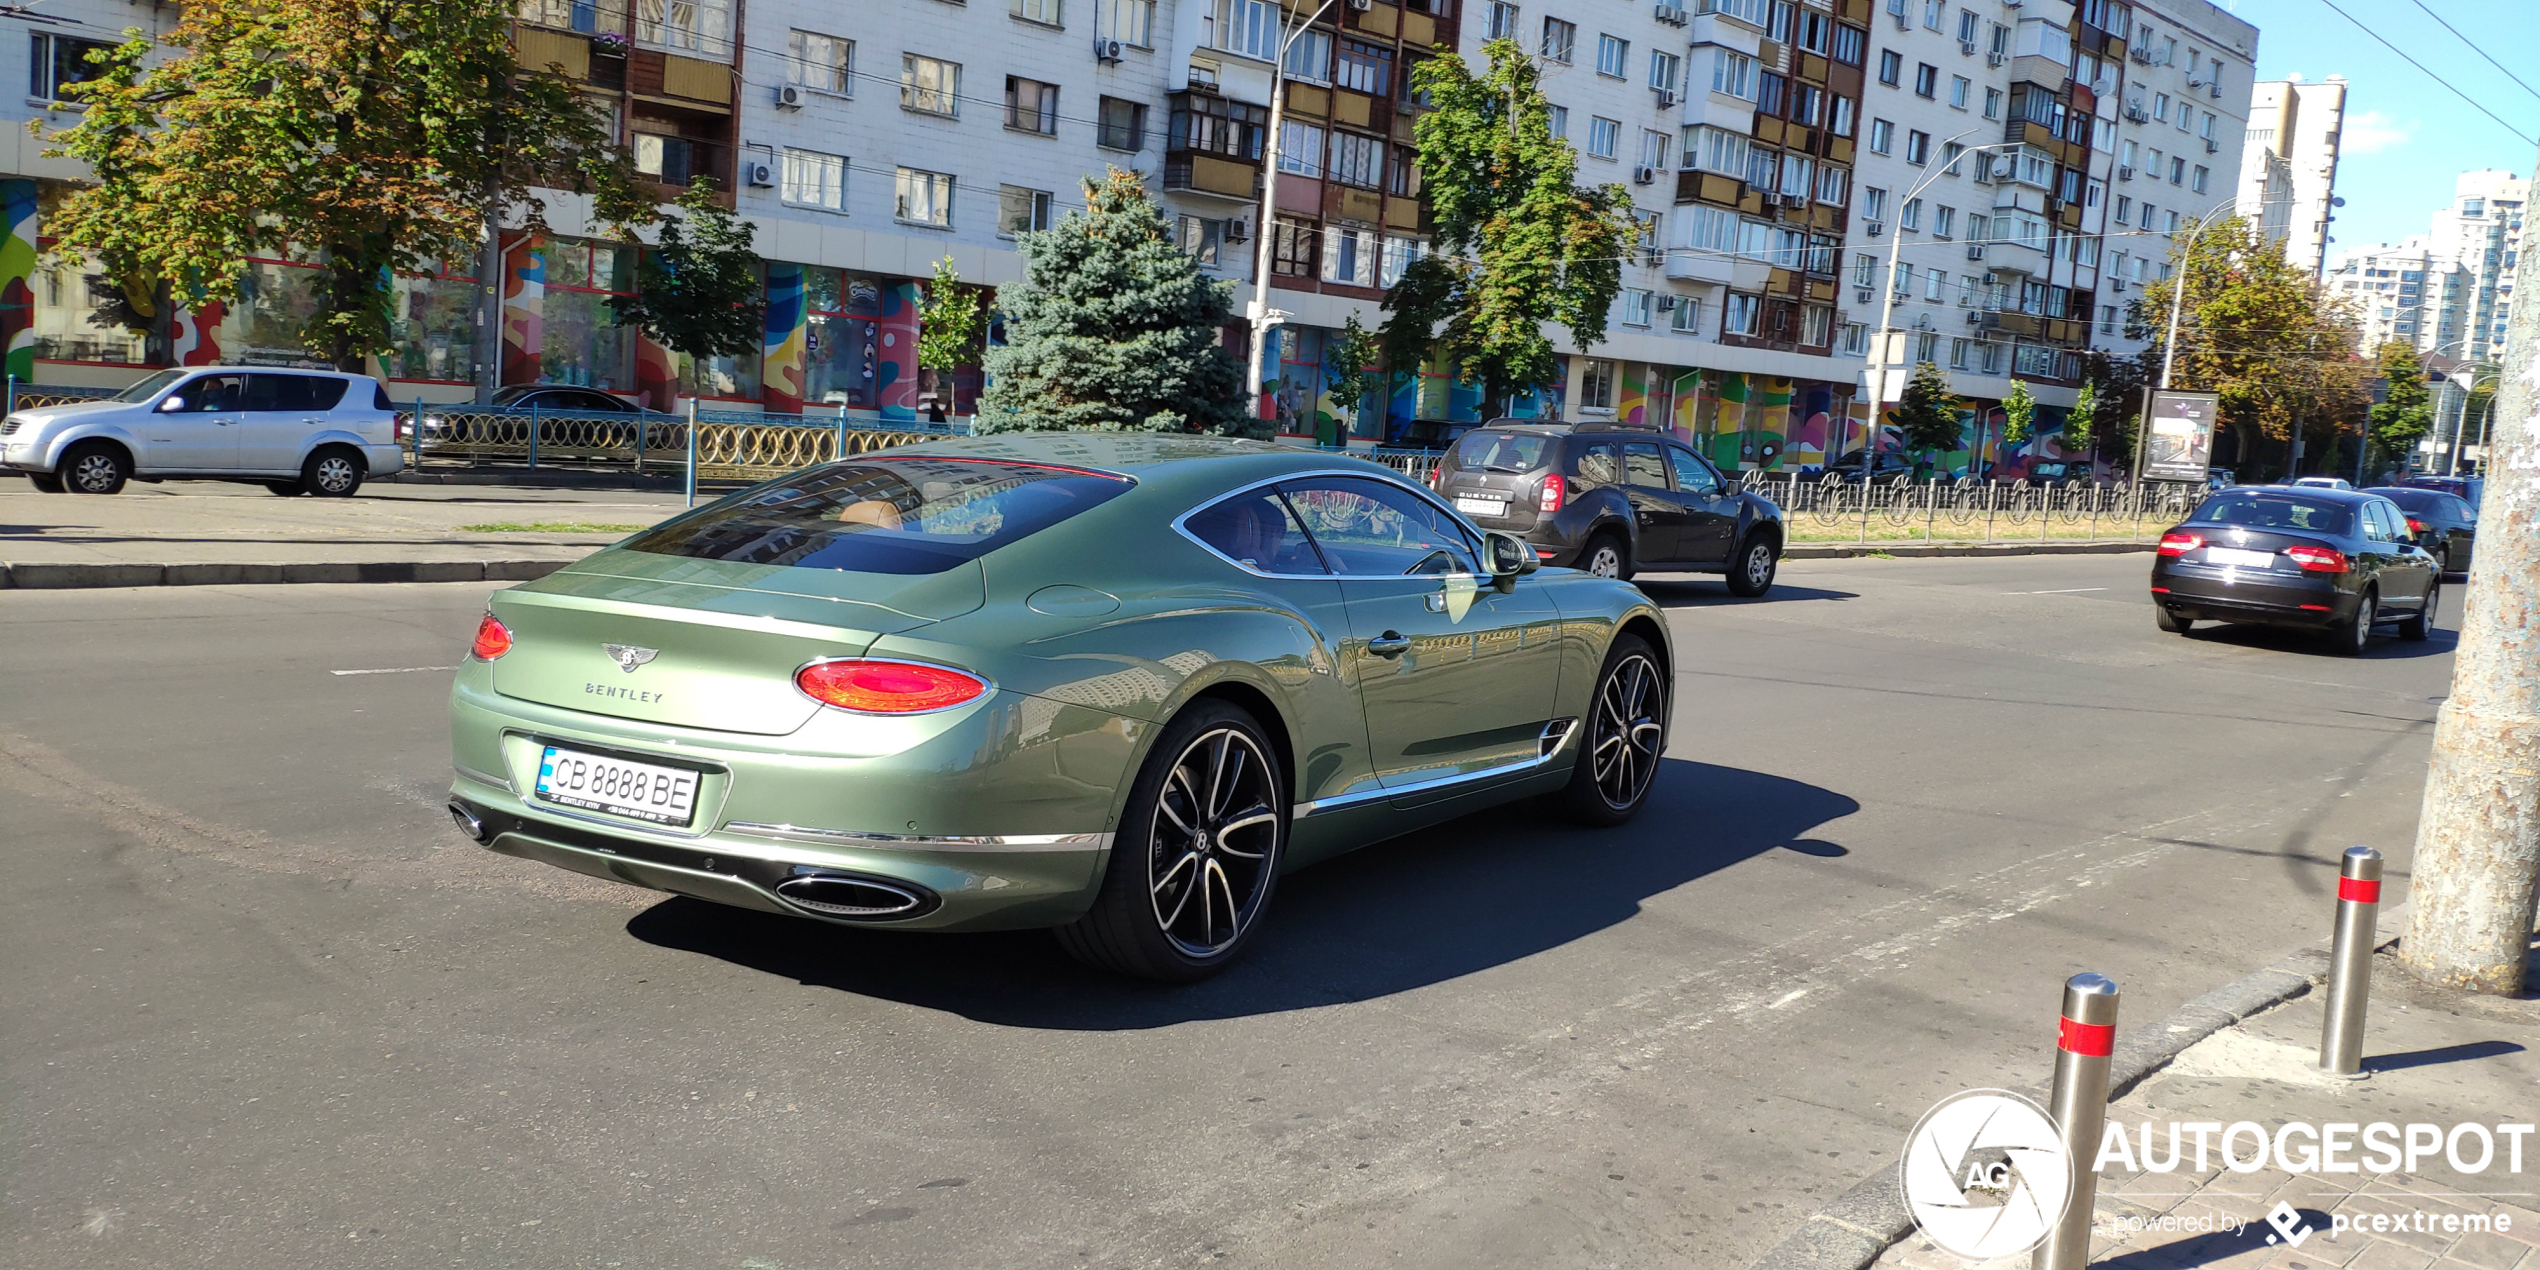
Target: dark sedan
(2338, 561)
(2441, 522)
(1884, 466)
(1613, 501)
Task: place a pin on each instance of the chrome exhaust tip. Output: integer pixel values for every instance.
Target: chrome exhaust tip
(853, 898)
(469, 823)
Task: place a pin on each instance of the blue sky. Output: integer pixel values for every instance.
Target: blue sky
(2406, 136)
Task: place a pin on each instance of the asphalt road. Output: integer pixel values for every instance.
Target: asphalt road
(263, 1007)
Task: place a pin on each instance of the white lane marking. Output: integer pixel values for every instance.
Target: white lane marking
(1787, 998)
(2070, 590)
(391, 670)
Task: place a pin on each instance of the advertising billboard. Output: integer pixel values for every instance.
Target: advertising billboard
(2180, 445)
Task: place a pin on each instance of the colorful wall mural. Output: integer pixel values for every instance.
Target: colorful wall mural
(788, 331)
(524, 305)
(18, 228)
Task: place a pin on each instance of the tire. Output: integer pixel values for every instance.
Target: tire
(334, 471)
(1751, 570)
(2443, 563)
(2172, 622)
(2421, 623)
(2349, 638)
(287, 489)
(1141, 922)
(1625, 736)
(95, 467)
(45, 482)
(1605, 556)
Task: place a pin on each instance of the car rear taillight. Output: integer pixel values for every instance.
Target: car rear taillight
(2318, 559)
(1554, 490)
(1436, 475)
(493, 639)
(2178, 544)
(886, 687)
(2415, 526)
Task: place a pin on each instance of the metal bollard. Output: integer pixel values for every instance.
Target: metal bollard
(2086, 1035)
(2350, 962)
(692, 451)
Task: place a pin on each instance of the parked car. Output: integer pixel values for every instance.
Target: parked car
(2053, 473)
(2468, 489)
(562, 397)
(2323, 482)
(2441, 523)
(293, 431)
(2339, 561)
(1885, 466)
(455, 423)
(1115, 685)
(1613, 501)
(2219, 479)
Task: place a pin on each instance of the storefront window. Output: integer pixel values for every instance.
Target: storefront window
(70, 296)
(434, 326)
(276, 301)
(842, 351)
(578, 341)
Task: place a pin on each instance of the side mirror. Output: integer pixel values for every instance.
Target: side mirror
(171, 405)
(1508, 558)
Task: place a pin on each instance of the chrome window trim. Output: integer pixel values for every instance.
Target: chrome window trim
(1568, 728)
(921, 842)
(1373, 472)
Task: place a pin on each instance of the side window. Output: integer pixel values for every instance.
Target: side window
(1599, 466)
(324, 394)
(1693, 476)
(1257, 531)
(216, 393)
(2460, 510)
(2377, 523)
(269, 393)
(379, 396)
(1642, 466)
(1372, 528)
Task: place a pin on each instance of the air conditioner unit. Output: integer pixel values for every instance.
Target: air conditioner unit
(789, 97)
(1874, 228)
(1994, 59)
(1362, 5)
(1666, 98)
(1975, 319)
(1902, 24)
(1666, 304)
(2215, 90)
(2135, 113)
(2212, 146)
(759, 173)
(1672, 14)
(1237, 231)
(2125, 173)
(2141, 53)
(1772, 199)
(1644, 174)
(1106, 50)
(1975, 251)
(2116, 284)
(1863, 295)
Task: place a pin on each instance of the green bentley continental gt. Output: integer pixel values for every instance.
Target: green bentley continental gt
(1115, 685)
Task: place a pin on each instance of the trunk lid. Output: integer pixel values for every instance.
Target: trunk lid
(2242, 548)
(723, 639)
(1493, 500)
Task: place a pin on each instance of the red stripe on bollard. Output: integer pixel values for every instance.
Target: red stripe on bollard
(2090, 1040)
(2360, 890)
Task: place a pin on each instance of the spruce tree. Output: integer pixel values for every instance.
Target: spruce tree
(1928, 413)
(1114, 329)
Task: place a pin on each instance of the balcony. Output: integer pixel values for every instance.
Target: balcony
(1212, 176)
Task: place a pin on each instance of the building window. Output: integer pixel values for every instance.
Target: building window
(1958, 89)
(686, 26)
(1912, 216)
(1503, 21)
(1686, 317)
(1352, 258)
(1042, 11)
(1300, 148)
(1741, 314)
(1603, 133)
(1770, 89)
(1402, 178)
(1596, 385)
(1874, 202)
(1124, 125)
(1560, 40)
(1856, 339)
(1292, 248)
(821, 62)
(1839, 119)
(1993, 103)
(1944, 221)
(1611, 54)
(1213, 125)
(924, 198)
(1637, 307)
(1816, 325)
(1358, 160)
(929, 85)
(1834, 185)
(1249, 28)
(1128, 21)
(1310, 57)
(1705, 149)
(2178, 171)
(1365, 67)
(1733, 74)
(813, 179)
(57, 60)
(1201, 237)
(2197, 181)
(1850, 42)
(1021, 211)
(1882, 136)
(1891, 67)
(2161, 107)
(1664, 70)
(1399, 253)
(1031, 106)
(1917, 147)
(1926, 79)
(1557, 120)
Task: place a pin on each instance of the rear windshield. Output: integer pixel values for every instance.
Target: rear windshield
(912, 515)
(1503, 452)
(2415, 500)
(2276, 511)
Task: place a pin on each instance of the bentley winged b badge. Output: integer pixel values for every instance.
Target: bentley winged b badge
(628, 656)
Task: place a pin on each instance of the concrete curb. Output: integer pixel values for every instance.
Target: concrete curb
(1855, 1227)
(1918, 550)
(653, 481)
(84, 576)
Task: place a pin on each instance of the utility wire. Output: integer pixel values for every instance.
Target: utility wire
(2474, 48)
(2447, 84)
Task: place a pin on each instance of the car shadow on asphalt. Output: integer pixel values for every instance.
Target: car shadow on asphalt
(1695, 589)
(1458, 898)
(2385, 646)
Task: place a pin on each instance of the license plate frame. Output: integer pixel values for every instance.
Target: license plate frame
(596, 782)
(1471, 505)
(2240, 558)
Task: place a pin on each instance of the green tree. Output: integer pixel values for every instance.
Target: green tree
(2255, 331)
(2081, 425)
(2019, 415)
(950, 321)
(698, 292)
(2405, 414)
(363, 136)
(1353, 353)
(1521, 244)
(1927, 414)
(1114, 329)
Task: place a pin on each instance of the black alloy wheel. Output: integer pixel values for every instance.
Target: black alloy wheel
(1625, 736)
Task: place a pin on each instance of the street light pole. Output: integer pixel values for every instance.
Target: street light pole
(1887, 297)
(1259, 313)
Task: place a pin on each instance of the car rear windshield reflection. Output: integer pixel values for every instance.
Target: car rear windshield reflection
(2276, 511)
(1520, 452)
(912, 515)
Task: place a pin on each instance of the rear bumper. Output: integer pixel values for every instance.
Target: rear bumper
(2229, 595)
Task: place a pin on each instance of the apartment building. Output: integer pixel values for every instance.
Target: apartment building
(2288, 171)
(2409, 293)
(2481, 231)
(2181, 125)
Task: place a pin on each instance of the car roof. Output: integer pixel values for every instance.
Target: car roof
(2328, 492)
(276, 370)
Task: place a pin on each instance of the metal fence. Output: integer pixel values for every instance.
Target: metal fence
(26, 396)
(729, 445)
(1966, 509)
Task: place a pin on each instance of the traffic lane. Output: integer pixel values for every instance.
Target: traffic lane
(380, 491)
(1637, 989)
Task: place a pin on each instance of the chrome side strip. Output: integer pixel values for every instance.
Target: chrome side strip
(1556, 738)
(484, 778)
(922, 842)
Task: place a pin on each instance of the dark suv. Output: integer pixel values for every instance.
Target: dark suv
(1613, 501)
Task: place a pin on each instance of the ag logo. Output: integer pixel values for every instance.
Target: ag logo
(1986, 1174)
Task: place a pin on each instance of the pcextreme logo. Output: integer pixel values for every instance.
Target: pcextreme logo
(1986, 1174)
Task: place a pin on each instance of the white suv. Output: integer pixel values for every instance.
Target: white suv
(292, 431)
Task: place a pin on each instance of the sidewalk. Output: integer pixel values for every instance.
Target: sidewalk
(2433, 1057)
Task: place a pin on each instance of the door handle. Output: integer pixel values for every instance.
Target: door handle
(1389, 644)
